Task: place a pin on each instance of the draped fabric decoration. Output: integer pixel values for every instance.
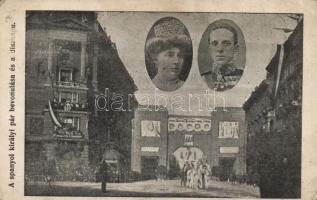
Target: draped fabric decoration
(56, 122)
(189, 124)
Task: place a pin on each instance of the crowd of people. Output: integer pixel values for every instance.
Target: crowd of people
(44, 171)
(66, 132)
(69, 106)
(195, 175)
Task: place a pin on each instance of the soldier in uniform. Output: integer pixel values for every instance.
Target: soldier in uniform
(103, 173)
(223, 45)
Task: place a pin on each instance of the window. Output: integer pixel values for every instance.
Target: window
(65, 96)
(36, 125)
(63, 57)
(65, 75)
(271, 125)
(68, 121)
(75, 98)
(68, 96)
(76, 122)
(71, 122)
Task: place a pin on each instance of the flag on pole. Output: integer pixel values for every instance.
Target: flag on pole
(279, 68)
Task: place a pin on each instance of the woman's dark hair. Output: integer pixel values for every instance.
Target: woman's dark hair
(156, 45)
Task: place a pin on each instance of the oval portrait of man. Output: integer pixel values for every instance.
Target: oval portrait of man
(168, 54)
(222, 55)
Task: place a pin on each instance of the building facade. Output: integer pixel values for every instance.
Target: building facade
(218, 139)
(67, 57)
(273, 118)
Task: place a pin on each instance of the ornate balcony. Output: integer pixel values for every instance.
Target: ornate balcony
(73, 85)
(68, 85)
(65, 133)
(67, 107)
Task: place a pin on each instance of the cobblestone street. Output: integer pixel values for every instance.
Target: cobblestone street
(150, 188)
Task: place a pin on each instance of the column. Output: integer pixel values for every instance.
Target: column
(84, 154)
(82, 62)
(95, 67)
(50, 151)
(135, 145)
(49, 62)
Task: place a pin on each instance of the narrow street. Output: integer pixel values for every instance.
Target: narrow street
(150, 188)
(161, 97)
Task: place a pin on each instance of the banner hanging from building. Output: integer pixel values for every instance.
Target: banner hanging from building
(150, 128)
(228, 129)
(188, 155)
(189, 124)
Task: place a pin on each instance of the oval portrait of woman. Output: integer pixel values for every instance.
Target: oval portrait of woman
(221, 55)
(168, 53)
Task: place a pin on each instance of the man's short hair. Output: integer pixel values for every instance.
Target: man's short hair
(225, 26)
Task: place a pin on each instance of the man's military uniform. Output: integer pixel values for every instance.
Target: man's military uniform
(103, 173)
(223, 77)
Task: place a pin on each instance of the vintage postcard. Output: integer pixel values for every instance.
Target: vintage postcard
(174, 99)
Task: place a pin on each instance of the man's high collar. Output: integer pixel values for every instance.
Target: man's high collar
(223, 69)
